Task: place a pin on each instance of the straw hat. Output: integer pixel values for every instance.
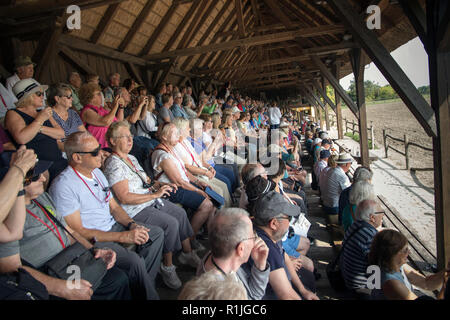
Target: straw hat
(344, 158)
(26, 87)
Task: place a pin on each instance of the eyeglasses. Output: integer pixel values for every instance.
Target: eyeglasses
(289, 218)
(39, 93)
(405, 250)
(68, 97)
(255, 236)
(379, 212)
(93, 153)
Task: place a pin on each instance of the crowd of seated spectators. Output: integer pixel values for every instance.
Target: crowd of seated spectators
(143, 180)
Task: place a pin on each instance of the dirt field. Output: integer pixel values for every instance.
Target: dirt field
(396, 118)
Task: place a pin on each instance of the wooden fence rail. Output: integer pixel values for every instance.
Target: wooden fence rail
(355, 125)
(404, 153)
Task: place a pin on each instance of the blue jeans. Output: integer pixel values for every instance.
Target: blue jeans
(226, 175)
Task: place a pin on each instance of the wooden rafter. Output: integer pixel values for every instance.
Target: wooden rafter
(140, 19)
(35, 8)
(73, 59)
(164, 21)
(256, 12)
(207, 32)
(106, 20)
(240, 18)
(280, 14)
(250, 41)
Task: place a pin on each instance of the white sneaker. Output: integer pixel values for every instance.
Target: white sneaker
(196, 245)
(190, 259)
(170, 277)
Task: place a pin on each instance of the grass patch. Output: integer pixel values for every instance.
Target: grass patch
(356, 138)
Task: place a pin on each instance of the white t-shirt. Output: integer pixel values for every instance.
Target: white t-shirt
(117, 170)
(7, 100)
(274, 115)
(187, 153)
(159, 156)
(70, 194)
(150, 123)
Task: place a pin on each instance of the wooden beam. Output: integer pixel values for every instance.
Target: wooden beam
(207, 33)
(70, 56)
(97, 49)
(358, 64)
(133, 71)
(35, 8)
(240, 18)
(417, 18)
(140, 19)
(46, 48)
(280, 14)
(159, 29)
(249, 41)
(322, 90)
(387, 65)
(106, 20)
(439, 67)
(336, 71)
(181, 25)
(335, 83)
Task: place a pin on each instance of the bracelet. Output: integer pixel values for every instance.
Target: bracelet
(21, 170)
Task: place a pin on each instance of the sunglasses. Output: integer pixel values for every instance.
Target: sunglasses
(29, 178)
(39, 93)
(68, 97)
(93, 153)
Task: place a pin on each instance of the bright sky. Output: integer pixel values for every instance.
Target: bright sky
(411, 57)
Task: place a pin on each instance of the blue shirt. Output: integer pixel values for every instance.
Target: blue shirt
(199, 146)
(179, 112)
(275, 259)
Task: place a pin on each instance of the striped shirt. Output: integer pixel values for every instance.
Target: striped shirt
(355, 252)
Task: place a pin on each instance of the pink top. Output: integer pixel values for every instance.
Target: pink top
(98, 132)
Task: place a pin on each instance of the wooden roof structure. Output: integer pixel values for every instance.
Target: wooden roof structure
(265, 41)
(284, 48)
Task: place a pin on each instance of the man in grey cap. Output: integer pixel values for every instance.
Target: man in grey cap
(272, 214)
(24, 69)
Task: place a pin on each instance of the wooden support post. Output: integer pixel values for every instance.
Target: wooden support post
(358, 70)
(385, 143)
(327, 119)
(337, 99)
(386, 64)
(438, 29)
(372, 136)
(353, 127)
(405, 138)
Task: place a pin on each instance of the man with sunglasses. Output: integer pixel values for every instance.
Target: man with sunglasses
(233, 242)
(83, 196)
(43, 239)
(272, 214)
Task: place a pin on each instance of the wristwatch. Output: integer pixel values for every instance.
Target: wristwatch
(129, 224)
(21, 193)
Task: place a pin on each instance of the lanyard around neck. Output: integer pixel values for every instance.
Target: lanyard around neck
(98, 180)
(54, 230)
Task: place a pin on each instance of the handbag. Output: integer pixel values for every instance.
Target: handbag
(333, 269)
(60, 266)
(20, 285)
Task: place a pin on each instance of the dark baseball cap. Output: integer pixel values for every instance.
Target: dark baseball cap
(40, 167)
(325, 154)
(273, 204)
